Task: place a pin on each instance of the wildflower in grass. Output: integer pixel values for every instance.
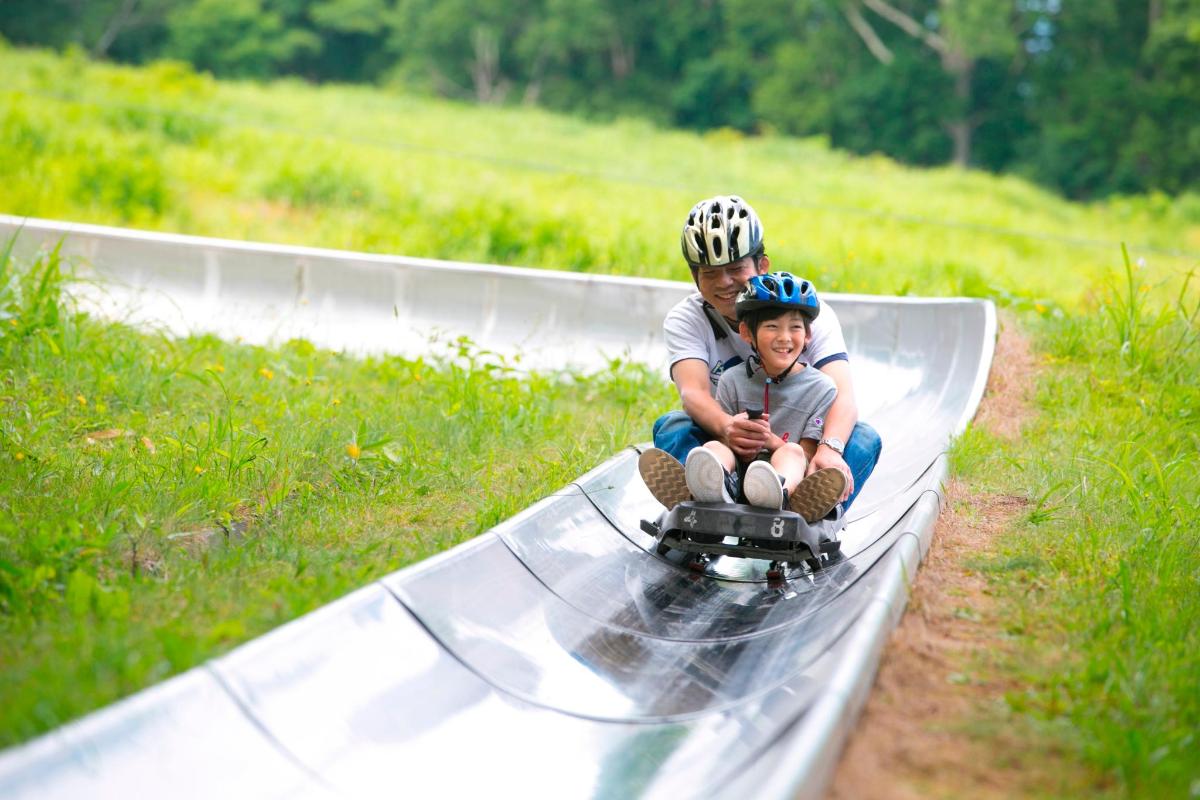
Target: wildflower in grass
(266, 373)
(19, 456)
(336, 402)
(353, 451)
(1041, 309)
(13, 322)
(218, 367)
(149, 445)
(81, 400)
(199, 470)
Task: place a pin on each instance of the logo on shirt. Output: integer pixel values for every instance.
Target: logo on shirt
(719, 368)
(819, 422)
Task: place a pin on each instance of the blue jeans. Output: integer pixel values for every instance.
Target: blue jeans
(676, 433)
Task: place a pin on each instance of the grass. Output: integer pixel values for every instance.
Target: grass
(128, 460)
(364, 169)
(1099, 580)
(121, 450)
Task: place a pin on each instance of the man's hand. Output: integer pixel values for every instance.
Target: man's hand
(746, 436)
(827, 457)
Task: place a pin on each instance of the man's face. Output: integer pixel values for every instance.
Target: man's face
(720, 285)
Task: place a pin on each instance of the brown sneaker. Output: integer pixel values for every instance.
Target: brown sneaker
(664, 477)
(817, 494)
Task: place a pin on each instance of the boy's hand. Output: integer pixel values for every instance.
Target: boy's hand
(746, 436)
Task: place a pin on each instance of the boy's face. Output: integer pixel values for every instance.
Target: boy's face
(779, 340)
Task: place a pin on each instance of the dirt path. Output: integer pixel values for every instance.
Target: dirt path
(912, 740)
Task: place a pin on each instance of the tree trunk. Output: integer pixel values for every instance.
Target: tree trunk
(961, 127)
(116, 24)
(622, 57)
(485, 69)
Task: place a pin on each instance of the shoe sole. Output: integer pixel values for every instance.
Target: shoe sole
(702, 472)
(762, 486)
(817, 494)
(664, 477)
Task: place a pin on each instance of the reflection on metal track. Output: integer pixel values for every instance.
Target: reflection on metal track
(556, 654)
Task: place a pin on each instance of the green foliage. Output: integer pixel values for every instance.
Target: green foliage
(240, 38)
(121, 176)
(1089, 98)
(1099, 580)
(163, 500)
(165, 148)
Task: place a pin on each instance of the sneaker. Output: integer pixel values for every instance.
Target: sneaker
(707, 479)
(763, 486)
(663, 475)
(818, 494)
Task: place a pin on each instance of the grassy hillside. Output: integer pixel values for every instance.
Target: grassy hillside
(371, 170)
(163, 500)
(121, 450)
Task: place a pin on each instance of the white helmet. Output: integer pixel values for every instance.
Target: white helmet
(720, 230)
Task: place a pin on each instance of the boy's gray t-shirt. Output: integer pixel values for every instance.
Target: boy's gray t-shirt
(689, 333)
(798, 405)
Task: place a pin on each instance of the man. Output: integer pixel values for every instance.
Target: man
(722, 242)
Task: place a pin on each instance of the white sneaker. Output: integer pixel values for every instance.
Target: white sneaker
(763, 486)
(706, 477)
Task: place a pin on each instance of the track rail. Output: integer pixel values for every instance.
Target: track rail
(555, 654)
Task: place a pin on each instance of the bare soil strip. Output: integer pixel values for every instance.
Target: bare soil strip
(919, 735)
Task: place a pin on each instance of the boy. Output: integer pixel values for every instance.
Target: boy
(787, 398)
(722, 243)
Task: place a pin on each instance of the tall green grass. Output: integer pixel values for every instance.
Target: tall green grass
(1100, 579)
(368, 169)
(162, 500)
(121, 450)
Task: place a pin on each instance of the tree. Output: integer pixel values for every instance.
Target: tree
(236, 38)
(960, 32)
(97, 26)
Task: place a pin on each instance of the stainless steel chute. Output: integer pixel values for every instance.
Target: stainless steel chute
(556, 654)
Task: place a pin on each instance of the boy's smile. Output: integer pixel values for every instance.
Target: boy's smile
(780, 341)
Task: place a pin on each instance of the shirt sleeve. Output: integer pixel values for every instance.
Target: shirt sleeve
(727, 393)
(685, 333)
(815, 427)
(828, 343)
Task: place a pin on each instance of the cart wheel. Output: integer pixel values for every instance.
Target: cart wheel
(814, 564)
(698, 563)
(776, 570)
(662, 549)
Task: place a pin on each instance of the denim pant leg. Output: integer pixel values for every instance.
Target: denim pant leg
(862, 453)
(676, 433)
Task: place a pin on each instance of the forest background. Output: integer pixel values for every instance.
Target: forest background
(122, 451)
(1088, 98)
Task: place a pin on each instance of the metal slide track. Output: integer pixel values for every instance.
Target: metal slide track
(554, 655)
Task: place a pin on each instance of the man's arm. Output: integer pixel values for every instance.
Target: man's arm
(839, 422)
(744, 436)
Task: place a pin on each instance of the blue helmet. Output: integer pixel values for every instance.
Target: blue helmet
(781, 290)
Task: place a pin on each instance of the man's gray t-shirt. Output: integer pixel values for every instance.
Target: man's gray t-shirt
(691, 332)
(798, 404)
